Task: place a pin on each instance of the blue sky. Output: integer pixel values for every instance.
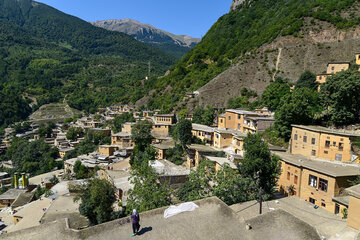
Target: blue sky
(188, 17)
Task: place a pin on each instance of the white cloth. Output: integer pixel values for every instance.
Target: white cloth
(184, 207)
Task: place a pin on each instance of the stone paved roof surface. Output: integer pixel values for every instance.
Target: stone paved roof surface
(212, 220)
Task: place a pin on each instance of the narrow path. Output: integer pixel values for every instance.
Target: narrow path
(277, 64)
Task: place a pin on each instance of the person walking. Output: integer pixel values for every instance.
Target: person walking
(135, 219)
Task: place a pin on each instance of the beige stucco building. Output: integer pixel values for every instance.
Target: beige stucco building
(353, 219)
(321, 142)
(165, 118)
(336, 67)
(315, 181)
(122, 139)
(245, 121)
(203, 132)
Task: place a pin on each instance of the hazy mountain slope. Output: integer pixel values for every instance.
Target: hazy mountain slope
(176, 45)
(238, 37)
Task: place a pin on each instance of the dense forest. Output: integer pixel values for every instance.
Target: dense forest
(241, 32)
(46, 55)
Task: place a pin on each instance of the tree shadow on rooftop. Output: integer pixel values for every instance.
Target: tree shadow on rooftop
(144, 230)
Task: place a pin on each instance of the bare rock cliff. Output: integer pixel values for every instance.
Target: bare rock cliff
(286, 57)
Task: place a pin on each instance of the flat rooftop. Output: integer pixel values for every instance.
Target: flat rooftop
(121, 134)
(244, 112)
(230, 132)
(200, 127)
(221, 161)
(4, 174)
(261, 118)
(12, 193)
(330, 168)
(202, 148)
(167, 168)
(321, 129)
(165, 115)
(165, 145)
(39, 179)
(30, 214)
(212, 220)
(353, 191)
(328, 225)
(65, 207)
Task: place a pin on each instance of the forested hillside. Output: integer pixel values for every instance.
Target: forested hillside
(47, 55)
(237, 35)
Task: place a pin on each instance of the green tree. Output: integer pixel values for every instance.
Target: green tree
(341, 96)
(258, 163)
(73, 133)
(204, 116)
(148, 193)
(356, 181)
(300, 107)
(138, 157)
(46, 130)
(231, 187)
(238, 102)
(120, 120)
(34, 158)
(198, 186)
(175, 154)
(183, 113)
(97, 197)
(184, 133)
(141, 134)
(81, 171)
(54, 180)
(307, 80)
(273, 93)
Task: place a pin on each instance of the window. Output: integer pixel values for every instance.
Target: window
(295, 137)
(313, 141)
(320, 77)
(334, 144)
(326, 152)
(305, 139)
(288, 175)
(239, 117)
(338, 157)
(313, 152)
(323, 204)
(323, 184)
(239, 126)
(217, 135)
(327, 144)
(295, 179)
(332, 68)
(229, 117)
(312, 200)
(221, 120)
(312, 181)
(341, 146)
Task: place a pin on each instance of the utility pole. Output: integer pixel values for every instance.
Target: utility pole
(260, 190)
(260, 200)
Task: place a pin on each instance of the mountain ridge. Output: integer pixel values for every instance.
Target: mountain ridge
(150, 34)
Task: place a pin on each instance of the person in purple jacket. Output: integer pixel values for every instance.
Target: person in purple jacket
(135, 219)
